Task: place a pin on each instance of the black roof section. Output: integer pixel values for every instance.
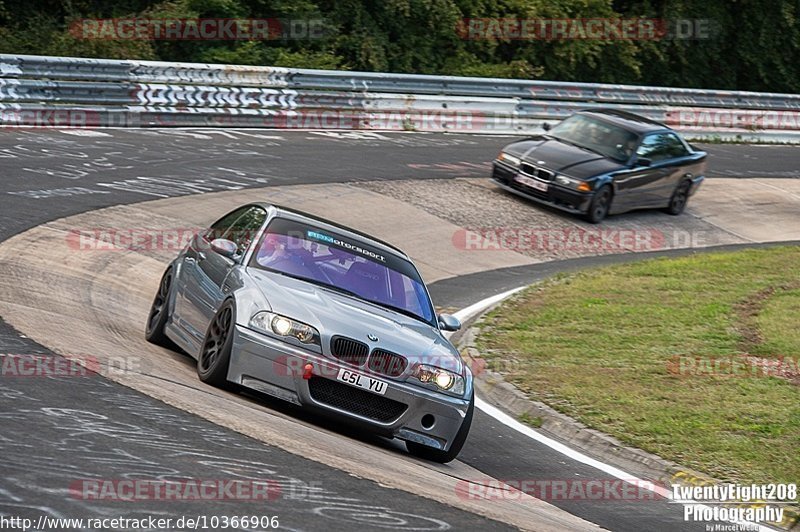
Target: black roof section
(630, 121)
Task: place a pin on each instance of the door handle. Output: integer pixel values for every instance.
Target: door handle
(201, 255)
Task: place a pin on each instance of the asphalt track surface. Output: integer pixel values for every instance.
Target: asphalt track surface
(87, 427)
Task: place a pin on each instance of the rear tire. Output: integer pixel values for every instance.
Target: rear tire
(159, 313)
(437, 455)
(679, 199)
(600, 205)
(215, 353)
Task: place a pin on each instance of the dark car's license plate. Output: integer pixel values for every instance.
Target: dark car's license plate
(529, 182)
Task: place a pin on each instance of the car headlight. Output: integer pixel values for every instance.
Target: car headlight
(577, 184)
(440, 378)
(283, 326)
(509, 159)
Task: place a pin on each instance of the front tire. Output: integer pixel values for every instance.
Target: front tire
(159, 313)
(600, 205)
(679, 199)
(215, 353)
(437, 455)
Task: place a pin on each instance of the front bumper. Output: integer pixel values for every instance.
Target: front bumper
(556, 195)
(275, 367)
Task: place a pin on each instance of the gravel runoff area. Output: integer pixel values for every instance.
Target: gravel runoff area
(497, 219)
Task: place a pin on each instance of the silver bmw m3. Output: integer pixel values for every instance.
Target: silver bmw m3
(318, 315)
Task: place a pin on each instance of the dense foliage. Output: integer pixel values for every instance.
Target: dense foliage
(752, 44)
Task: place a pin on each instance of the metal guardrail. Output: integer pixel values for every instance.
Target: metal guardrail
(77, 92)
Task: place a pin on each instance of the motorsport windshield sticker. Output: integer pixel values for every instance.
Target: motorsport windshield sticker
(346, 245)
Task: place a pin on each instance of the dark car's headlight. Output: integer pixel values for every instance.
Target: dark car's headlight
(283, 326)
(577, 184)
(509, 159)
(440, 379)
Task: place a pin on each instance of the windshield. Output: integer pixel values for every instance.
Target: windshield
(321, 257)
(596, 135)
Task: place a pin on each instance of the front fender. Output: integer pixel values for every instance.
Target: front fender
(175, 265)
(247, 295)
(602, 181)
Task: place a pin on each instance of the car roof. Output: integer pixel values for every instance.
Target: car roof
(630, 121)
(302, 216)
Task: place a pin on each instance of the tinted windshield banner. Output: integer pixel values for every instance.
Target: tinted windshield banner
(342, 244)
(314, 234)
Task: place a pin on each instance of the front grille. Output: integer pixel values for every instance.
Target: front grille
(387, 363)
(537, 171)
(503, 174)
(348, 350)
(354, 400)
(547, 175)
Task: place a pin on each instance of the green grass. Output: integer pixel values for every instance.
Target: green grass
(533, 421)
(779, 324)
(600, 346)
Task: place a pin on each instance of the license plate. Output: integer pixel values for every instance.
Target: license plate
(527, 181)
(361, 381)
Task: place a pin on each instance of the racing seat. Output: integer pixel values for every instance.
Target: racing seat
(367, 280)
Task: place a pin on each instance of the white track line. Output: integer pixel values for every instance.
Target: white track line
(505, 419)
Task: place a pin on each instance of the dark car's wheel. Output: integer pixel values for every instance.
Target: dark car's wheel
(159, 313)
(215, 354)
(679, 199)
(600, 205)
(436, 455)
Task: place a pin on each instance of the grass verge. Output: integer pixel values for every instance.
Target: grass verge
(693, 359)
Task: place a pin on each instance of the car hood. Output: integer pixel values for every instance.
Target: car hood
(568, 159)
(332, 313)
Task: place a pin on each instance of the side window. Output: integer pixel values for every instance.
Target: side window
(677, 147)
(221, 226)
(660, 146)
(244, 229)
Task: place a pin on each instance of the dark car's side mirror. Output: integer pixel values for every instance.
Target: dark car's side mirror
(224, 247)
(546, 126)
(644, 161)
(448, 322)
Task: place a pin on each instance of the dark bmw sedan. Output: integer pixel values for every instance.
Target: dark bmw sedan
(602, 162)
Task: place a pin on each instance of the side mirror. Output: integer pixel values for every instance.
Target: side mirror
(546, 126)
(644, 161)
(448, 322)
(224, 247)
